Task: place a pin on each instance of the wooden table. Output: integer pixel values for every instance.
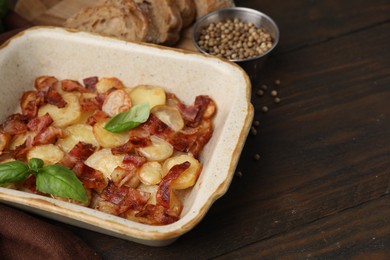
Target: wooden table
(321, 186)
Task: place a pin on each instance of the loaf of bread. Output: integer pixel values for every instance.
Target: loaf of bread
(165, 22)
(154, 21)
(120, 18)
(206, 6)
(187, 11)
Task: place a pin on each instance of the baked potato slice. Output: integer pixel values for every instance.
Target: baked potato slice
(104, 161)
(48, 153)
(169, 115)
(148, 94)
(150, 173)
(159, 150)
(108, 139)
(105, 84)
(68, 115)
(187, 178)
(77, 133)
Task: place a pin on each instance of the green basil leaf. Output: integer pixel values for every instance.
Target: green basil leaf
(35, 164)
(13, 171)
(58, 180)
(137, 115)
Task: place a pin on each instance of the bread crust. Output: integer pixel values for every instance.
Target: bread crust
(120, 18)
(187, 11)
(206, 6)
(154, 21)
(164, 19)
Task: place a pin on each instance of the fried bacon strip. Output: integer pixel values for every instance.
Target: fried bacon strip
(90, 83)
(122, 199)
(46, 87)
(15, 124)
(30, 102)
(127, 173)
(44, 83)
(54, 98)
(38, 124)
(98, 115)
(72, 85)
(164, 188)
(79, 153)
(91, 178)
(189, 139)
(157, 215)
(188, 113)
(44, 133)
(4, 141)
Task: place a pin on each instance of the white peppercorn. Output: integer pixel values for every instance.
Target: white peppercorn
(238, 39)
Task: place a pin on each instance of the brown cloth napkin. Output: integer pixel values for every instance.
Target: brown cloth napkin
(25, 237)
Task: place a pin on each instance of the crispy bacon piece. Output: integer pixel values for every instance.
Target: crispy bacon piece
(90, 83)
(89, 104)
(157, 215)
(48, 136)
(96, 103)
(125, 148)
(4, 140)
(134, 160)
(91, 178)
(44, 83)
(127, 173)
(156, 127)
(79, 153)
(139, 137)
(54, 98)
(189, 139)
(188, 113)
(37, 124)
(82, 151)
(98, 115)
(72, 85)
(164, 188)
(203, 106)
(44, 133)
(46, 87)
(203, 103)
(30, 102)
(203, 135)
(15, 124)
(124, 198)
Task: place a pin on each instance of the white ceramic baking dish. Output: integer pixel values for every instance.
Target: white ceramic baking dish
(77, 55)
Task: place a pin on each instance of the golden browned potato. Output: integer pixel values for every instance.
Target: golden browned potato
(63, 117)
(77, 133)
(104, 161)
(169, 115)
(107, 139)
(188, 177)
(152, 189)
(18, 140)
(49, 153)
(105, 84)
(150, 173)
(159, 150)
(149, 94)
(116, 102)
(121, 177)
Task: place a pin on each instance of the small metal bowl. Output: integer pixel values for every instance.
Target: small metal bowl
(251, 65)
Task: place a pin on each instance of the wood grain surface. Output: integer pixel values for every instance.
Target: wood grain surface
(321, 188)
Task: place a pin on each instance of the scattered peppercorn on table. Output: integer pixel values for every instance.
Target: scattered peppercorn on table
(313, 179)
